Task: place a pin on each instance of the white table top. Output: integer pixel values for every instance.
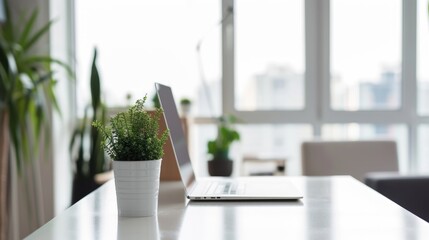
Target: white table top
(332, 208)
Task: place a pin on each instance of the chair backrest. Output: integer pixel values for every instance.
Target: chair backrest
(355, 158)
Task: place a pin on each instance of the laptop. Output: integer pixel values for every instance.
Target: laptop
(217, 188)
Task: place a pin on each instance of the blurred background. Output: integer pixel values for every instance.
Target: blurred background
(288, 70)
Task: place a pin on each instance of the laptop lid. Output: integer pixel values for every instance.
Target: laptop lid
(177, 135)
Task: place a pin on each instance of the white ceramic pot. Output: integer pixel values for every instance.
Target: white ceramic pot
(137, 187)
(186, 109)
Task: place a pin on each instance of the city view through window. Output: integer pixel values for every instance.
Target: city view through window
(270, 49)
(366, 55)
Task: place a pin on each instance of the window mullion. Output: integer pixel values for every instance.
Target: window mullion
(317, 60)
(409, 56)
(228, 58)
(409, 76)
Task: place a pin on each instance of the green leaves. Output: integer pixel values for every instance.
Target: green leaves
(212, 147)
(26, 85)
(95, 83)
(133, 135)
(225, 137)
(88, 167)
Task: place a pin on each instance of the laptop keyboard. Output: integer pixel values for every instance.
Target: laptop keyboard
(225, 188)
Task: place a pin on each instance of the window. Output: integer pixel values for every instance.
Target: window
(357, 78)
(365, 54)
(423, 57)
(269, 54)
(289, 70)
(423, 150)
(142, 42)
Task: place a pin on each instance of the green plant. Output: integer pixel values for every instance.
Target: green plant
(133, 135)
(96, 162)
(155, 101)
(26, 87)
(226, 135)
(185, 101)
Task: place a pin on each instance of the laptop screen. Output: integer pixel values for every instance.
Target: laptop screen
(177, 135)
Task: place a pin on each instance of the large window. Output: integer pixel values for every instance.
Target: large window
(290, 70)
(358, 78)
(365, 54)
(142, 42)
(269, 54)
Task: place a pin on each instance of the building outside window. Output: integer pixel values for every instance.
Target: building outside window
(289, 70)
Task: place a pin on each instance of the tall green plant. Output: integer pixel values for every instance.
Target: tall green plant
(26, 84)
(96, 163)
(226, 135)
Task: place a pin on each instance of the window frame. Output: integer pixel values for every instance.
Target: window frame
(317, 108)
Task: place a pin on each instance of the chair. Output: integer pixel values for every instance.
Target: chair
(410, 192)
(355, 158)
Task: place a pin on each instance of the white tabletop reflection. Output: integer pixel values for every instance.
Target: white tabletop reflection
(332, 208)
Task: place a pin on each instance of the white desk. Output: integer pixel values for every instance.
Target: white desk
(332, 208)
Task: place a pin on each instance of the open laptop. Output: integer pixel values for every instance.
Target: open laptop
(217, 188)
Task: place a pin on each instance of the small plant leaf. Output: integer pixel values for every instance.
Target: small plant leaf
(33, 39)
(95, 84)
(28, 27)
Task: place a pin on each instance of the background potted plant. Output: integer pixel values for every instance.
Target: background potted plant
(221, 164)
(90, 159)
(134, 142)
(185, 105)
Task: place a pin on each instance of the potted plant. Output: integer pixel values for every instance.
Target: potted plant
(221, 164)
(135, 144)
(90, 159)
(185, 105)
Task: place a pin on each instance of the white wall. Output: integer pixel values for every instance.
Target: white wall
(62, 47)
